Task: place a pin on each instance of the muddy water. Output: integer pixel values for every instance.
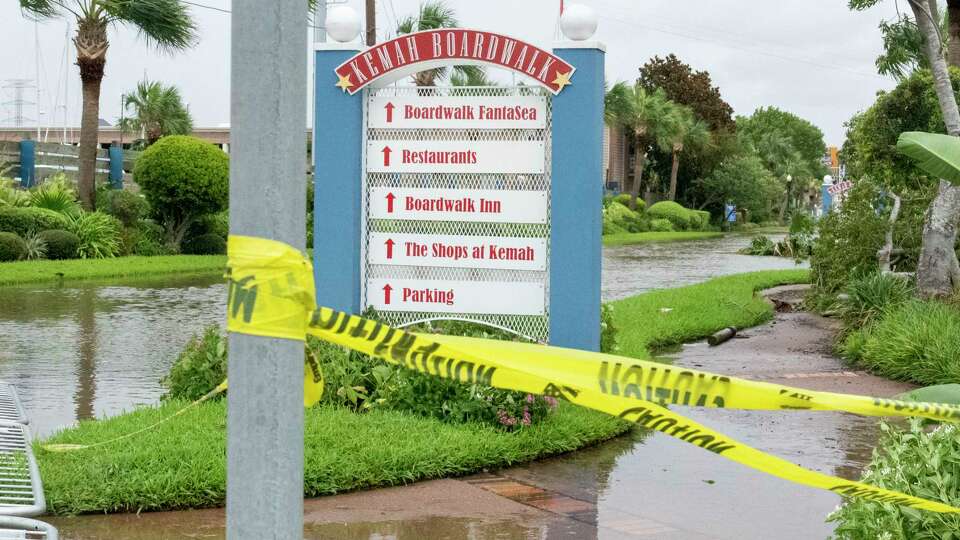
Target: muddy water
(630, 270)
(86, 350)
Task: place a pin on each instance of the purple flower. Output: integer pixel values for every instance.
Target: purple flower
(551, 401)
(530, 398)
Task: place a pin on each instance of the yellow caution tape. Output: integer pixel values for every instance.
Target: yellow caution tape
(632, 389)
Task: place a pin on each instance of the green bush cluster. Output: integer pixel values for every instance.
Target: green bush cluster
(661, 225)
(25, 220)
(205, 244)
(683, 219)
(617, 218)
(914, 461)
(99, 234)
(60, 244)
(361, 383)
(12, 247)
(126, 206)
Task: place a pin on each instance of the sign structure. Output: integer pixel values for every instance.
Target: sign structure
(457, 206)
(840, 187)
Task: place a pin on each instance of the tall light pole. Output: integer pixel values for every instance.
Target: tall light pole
(265, 401)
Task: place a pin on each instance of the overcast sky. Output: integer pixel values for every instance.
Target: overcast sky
(811, 57)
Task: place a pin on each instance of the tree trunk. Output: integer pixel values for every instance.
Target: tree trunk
(938, 271)
(885, 254)
(91, 43)
(637, 177)
(673, 174)
(953, 26)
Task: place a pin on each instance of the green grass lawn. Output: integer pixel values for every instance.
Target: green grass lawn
(22, 272)
(182, 463)
(671, 316)
(655, 237)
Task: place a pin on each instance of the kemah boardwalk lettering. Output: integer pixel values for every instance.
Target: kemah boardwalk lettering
(472, 205)
(458, 251)
(442, 296)
(407, 54)
(426, 156)
(478, 112)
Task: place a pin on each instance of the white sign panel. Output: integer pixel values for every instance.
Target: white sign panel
(434, 204)
(491, 157)
(469, 112)
(458, 251)
(483, 297)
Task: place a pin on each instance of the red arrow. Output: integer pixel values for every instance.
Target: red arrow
(389, 244)
(389, 107)
(390, 198)
(386, 156)
(386, 293)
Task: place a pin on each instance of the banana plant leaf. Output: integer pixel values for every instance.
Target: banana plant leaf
(938, 155)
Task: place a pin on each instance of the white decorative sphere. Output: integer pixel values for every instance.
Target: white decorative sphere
(343, 23)
(578, 22)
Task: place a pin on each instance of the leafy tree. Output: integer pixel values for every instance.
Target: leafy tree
(433, 15)
(183, 178)
(938, 270)
(687, 87)
(790, 147)
(157, 111)
(646, 117)
(167, 24)
(743, 180)
(687, 133)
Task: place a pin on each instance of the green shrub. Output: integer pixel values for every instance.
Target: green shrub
(99, 234)
(849, 239)
(12, 247)
(704, 219)
(917, 341)
(661, 225)
(124, 205)
(608, 330)
(23, 221)
(218, 224)
(11, 195)
(624, 199)
(36, 247)
(147, 239)
(183, 178)
(678, 215)
(206, 244)
(760, 245)
(55, 196)
(871, 295)
(617, 218)
(200, 367)
(61, 244)
(916, 462)
(802, 223)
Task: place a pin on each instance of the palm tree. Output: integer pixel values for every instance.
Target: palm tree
(645, 117)
(433, 15)
(167, 24)
(688, 131)
(157, 111)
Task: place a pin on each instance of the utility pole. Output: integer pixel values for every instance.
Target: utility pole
(265, 401)
(371, 12)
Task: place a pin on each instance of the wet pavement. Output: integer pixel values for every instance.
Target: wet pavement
(643, 485)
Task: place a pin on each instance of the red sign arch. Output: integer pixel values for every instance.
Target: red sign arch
(404, 55)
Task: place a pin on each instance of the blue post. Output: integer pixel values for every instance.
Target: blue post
(28, 163)
(116, 166)
(577, 188)
(826, 199)
(337, 158)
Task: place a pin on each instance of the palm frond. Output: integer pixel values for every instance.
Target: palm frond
(41, 9)
(167, 24)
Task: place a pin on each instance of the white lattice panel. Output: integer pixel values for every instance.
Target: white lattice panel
(535, 327)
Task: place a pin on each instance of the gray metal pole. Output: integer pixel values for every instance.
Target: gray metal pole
(267, 199)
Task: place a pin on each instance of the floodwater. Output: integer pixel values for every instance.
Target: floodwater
(84, 350)
(630, 270)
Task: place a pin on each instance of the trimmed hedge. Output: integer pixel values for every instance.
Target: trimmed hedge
(661, 225)
(25, 220)
(681, 218)
(206, 244)
(624, 199)
(12, 247)
(61, 244)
